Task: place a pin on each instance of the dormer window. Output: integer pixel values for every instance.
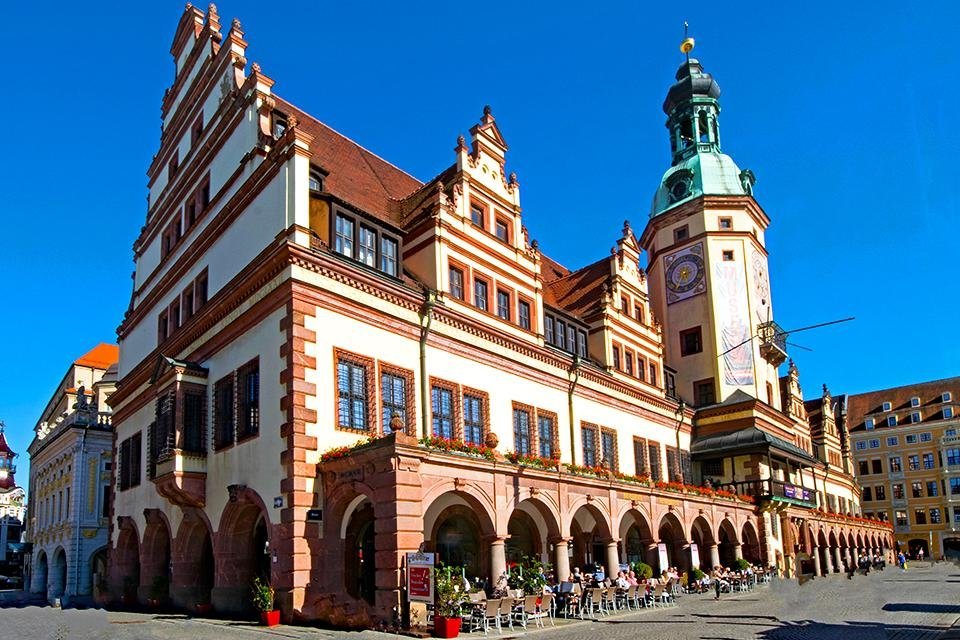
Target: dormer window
(914, 401)
(891, 421)
(279, 126)
(948, 412)
(915, 416)
(886, 406)
(868, 423)
(946, 396)
(316, 182)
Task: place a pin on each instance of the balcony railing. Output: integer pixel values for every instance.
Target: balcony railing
(778, 491)
(773, 343)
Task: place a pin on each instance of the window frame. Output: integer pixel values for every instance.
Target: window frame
(554, 432)
(354, 360)
(481, 284)
(594, 431)
(410, 400)
(220, 441)
(694, 333)
(248, 409)
(451, 270)
(502, 223)
(440, 385)
(483, 398)
(524, 442)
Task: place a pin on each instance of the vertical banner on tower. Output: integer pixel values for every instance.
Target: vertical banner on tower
(733, 323)
(420, 576)
(694, 555)
(662, 551)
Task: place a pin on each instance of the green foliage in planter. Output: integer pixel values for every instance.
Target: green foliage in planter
(528, 574)
(643, 570)
(696, 575)
(448, 591)
(261, 593)
(740, 564)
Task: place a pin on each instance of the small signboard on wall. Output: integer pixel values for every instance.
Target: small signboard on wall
(420, 577)
(694, 555)
(662, 552)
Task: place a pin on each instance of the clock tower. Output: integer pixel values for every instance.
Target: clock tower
(707, 260)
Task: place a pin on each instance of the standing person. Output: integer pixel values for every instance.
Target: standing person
(920, 554)
(715, 576)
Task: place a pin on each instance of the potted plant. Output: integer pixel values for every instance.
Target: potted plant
(262, 595)
(449, 594)
(741, 564)
(203, 608)
(642, 570)
(529, 574)
(159, 589)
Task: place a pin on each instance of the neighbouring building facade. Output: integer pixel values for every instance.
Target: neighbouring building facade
(327, 363)
(13, 507)
(906, 453)
(70, 473)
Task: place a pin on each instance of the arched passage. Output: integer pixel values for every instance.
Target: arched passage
(750, 544)
(125, 565)
(823, 549)
(242, 553)
(458, 528)
(526, 540)
(728, 544)
(58, 574)
(639, 544)
(591, 535)
(192, 561)
(360, 567)
(40, 574)
(155, 569)
(701, 534)
(98, 568)
(670, 534)
(916, 545)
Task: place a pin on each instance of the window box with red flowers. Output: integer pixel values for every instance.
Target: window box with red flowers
(459, 447)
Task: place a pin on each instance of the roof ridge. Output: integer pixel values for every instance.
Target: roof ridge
(351, 141)
(907, 386)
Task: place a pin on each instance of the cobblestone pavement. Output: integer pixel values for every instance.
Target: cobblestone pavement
(920, 604)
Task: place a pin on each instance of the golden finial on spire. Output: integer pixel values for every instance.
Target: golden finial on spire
(688, 43)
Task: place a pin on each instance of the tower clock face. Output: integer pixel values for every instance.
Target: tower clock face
(685, 274)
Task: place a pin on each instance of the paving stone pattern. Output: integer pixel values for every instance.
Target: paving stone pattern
(920, 604)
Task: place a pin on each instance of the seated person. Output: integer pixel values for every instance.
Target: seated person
(621, 581)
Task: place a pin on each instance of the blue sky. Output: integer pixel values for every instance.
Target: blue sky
(842, 115)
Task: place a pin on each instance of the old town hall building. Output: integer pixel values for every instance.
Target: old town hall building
(327, 363)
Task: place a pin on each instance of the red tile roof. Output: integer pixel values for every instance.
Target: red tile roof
(579, 291)
(100, 357)
(862, 405)
(356, 175)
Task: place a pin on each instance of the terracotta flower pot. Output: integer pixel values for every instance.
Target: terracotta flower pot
(446, 627)
(204, 608)
(270, 618)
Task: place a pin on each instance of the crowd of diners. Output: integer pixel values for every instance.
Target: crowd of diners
(592, 593)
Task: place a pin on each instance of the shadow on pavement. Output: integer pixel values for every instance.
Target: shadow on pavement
(849, 631)
(921, 607)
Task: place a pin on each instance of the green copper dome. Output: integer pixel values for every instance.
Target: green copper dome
(701, 174)
(699, 167)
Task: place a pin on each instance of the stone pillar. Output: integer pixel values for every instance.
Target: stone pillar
(837, 560)
(498, 558)
(738, 551)
(714, 557)
(827, 561)
(613, 559)
(815, 556)
(653, 555)
(561, 559)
